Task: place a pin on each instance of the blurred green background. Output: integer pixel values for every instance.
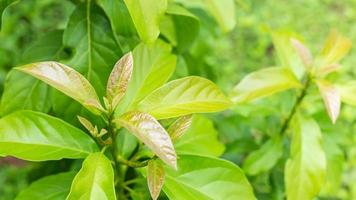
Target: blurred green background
(224, 58)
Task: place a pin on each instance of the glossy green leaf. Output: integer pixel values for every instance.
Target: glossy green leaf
(263, 83)
(224, 13)
(201, 138)
(119, 79)
(66, 80)
(155, 178)
(185, 96)
(205, 178)
(305, 169)
(265, 158)
(153, 66)
(36, 136)
(179, 127)
(148, 130)
(3, 5)
(331, 98)
(54, 187)
(348, 92)
(180, 27)
(95, 180)
(286, 53)
(146, 15)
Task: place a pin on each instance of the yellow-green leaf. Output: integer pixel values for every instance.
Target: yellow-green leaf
(148, 130)
(185, 96)
(263, 83)
(331, 98)
(179, 127)
(224, 13)
(305, 169)
(66, 80)
(348, 92)
(155, 177)
(119, 79)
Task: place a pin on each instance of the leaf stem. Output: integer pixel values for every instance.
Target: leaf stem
(133, 164)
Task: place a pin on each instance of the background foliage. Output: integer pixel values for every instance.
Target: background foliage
(223, 51)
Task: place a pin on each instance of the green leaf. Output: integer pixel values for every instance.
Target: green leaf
(263, 83)
(3, 5)
(331, 98)
(66, 80)
(119, 79)
(179, 127)
(25, 92)
(155, 178)
(148, 130)
(205, 178)
(54, 187)
(265, 158)
(305, 169)
(348, 92)
(201, 138)
(146, 15)
(153, 66)
(185, 96)
(36, 136)
(286, 53)
(95, 180)
(224, 13)
(180, 27)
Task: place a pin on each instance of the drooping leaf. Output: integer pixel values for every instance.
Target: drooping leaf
(335, 48)
(155, 178)
(153, 66)
(263, 83)
(25, 92)
(36, 137)
(205, 178)
(54, 187)
(185, 96)
(3, 5)
(305, 169)
(119, 79)
(331, 98)
(303, 53)
(180, 27)
(201, 138)
(348, 92)
(148, 130)
(146, 15)
(287, 56)
(95, 180)
(224, 13)
(263, 159)
(66, 80)
(179, 127)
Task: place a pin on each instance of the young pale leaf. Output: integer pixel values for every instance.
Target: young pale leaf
(263, 83)
(179, 127)
(331, 98)
(183, 97)
(305, 169)
(348, 93)
(54, 187)
(95, 180)
(37, 137)
(66, 80)
(147, 129)
(224, 13)
(87, 124)
(303, 53)
(265, 158)
(155, 178)
(335, 48)
(119, 79)
(206, 178)
(146, 15)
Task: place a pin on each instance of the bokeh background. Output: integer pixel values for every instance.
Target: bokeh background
(224, 58)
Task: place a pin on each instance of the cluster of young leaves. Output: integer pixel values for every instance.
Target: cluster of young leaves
(181, 159)
(306, 169)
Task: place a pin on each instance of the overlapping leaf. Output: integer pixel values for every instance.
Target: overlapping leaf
(179, 127)
(185, 96)
(36, 137)
(95, 180)
(155, 178)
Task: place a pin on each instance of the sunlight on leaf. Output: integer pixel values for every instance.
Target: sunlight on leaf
(331, 98)
(179, 127)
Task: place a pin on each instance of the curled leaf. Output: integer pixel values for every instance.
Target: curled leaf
(66, 80)
(119, 79)
(155, 178)
(303, 52)
(331, 98)
(179, 127)
(148, 130)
